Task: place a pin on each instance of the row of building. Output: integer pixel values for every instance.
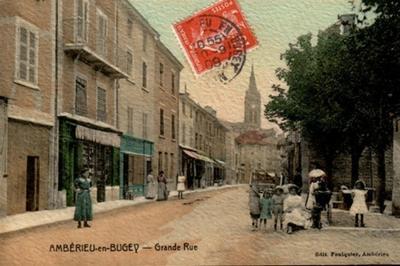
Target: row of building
(89, 84)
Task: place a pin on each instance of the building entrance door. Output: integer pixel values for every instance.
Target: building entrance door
(32, 183)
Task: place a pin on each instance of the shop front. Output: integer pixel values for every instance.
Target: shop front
(136, 163)
(84, 145)
(219, 172)
(197, 168)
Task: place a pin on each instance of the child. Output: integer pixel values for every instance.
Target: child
(359, 206)
(266, 208)
(254, 205)
(181, 186)
(277, 206)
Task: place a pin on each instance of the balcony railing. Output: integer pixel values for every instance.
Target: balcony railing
(96, 48)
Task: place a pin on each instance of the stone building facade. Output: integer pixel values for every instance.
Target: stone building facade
(396, 169)
(166, 113)
(202, 141)
(27, 80)
(136, 99)
(90, 62)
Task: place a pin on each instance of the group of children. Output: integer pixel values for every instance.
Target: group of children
(272, 202)
(261, 209)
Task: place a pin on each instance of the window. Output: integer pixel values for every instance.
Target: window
(191, 111)
(161, 74)
(27, 55)
(102, 34)
(82, 22)
(183, 134)
(130, 27)
(129, 59)
(101, 105)
(191, 136)
(144, 75)
(145, 118)
(173, 83)
(166, 166)
(161, 122)
(196, 140)
(144, 41)
(183, 108)
(173, 133)
(130, 120)
(80, 97)
(171, 170)
(160, 161)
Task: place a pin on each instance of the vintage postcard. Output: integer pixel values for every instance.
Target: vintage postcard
(199, 132)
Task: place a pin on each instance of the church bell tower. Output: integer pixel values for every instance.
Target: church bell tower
(252, 104)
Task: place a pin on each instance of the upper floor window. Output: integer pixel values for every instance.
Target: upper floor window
(101, 104)
(161, 74)
(82, 20)
(184, 108)
(173, 133)
(130, 120)
(173, 83)
(80, 96)
(129, 58)
(102, 24)
(130, 27)
(144, 41)
(161, 122)
(145, 126)
(27, 55)
(144, 75)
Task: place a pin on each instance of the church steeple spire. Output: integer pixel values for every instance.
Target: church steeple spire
(252, 112)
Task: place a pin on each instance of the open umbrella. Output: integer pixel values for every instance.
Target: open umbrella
(316, 173)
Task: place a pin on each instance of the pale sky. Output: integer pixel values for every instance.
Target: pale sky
(275, 23)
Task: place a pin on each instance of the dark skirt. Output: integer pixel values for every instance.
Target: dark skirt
(83, 206)
(255, 216)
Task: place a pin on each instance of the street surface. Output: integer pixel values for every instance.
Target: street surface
(217, 222)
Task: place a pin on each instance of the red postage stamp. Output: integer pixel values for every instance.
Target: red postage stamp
(217, 37)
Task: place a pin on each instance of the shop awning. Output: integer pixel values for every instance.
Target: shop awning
(197, 156)
(98, 136)
(219, 162)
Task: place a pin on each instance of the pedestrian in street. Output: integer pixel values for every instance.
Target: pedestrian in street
(277, 206)
(254, 205)
(296, 217)
(359, 206)
(162, 187)
(311, 202)
(83, 204)
(266, 209)
(181, 186)
(151, 186)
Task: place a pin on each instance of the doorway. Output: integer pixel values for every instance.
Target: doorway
(32, 183)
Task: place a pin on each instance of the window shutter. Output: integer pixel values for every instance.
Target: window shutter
(23, 53)
(32, 57)
(144, 75)
(80, 97)
(101, 105)
(80, 19)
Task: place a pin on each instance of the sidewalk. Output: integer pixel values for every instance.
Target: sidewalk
(28, 220)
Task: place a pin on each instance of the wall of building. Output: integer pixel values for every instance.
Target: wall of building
(25, 140)
(3, 155)
(131, 93)
(167, 99)
(396, 170)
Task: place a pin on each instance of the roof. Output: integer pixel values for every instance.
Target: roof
(255, 137)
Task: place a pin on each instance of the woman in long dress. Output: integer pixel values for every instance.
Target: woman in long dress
(151, 186)
(162, 187)
(295, 215)
(311, 194)
(83, 204)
